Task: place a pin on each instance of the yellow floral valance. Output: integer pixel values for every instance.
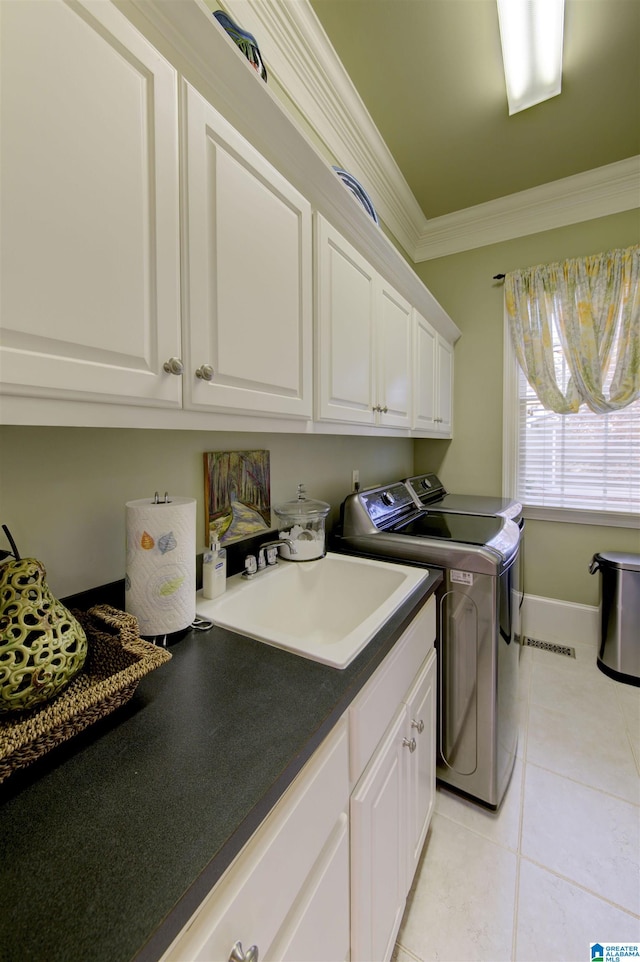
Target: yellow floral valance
(588, 305)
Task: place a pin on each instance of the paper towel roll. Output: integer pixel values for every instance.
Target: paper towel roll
(160, 583)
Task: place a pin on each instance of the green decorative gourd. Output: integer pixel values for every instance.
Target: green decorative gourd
(42, 646)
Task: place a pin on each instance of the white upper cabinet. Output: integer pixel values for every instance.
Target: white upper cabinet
(363, 338)
(394, 336)
(444, 408)
(90, 303)
(346, 297)
(248, 288)
(432, 380)
(158, 269)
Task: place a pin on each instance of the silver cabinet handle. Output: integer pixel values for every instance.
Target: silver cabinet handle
(410, 744)
(173, 366)
(384, 409)
(418, 724)
(205, 372)
(237, 955)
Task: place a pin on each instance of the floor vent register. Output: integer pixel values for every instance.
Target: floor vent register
(548, 646)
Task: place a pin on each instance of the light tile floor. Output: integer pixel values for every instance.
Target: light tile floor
(558, 866)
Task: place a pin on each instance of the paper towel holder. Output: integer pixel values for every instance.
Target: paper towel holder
(167, 499)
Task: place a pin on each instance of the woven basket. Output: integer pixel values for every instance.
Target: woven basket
(116, 661)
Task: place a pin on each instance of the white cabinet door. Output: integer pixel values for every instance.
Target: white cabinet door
(445, 387)
(433, 380)
(378, 864)
(248, 299)
(394, 330)
(90, 222)
(424, 388)
(346, 295)
(421, 770)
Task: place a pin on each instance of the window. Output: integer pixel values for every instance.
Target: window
(558, 465)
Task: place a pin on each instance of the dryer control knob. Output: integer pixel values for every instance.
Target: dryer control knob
(388, 499)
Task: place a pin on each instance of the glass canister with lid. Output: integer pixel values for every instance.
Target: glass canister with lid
(302, 521)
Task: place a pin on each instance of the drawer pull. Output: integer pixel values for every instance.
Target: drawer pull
(237, 954)
(418, 724)
(409, 743)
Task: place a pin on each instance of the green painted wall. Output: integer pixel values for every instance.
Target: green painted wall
(63, 490)
(557, 554)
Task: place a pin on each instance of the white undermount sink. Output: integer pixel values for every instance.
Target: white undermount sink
(326, 610)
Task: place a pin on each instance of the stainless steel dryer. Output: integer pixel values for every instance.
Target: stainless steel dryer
(478, 653)
(429, 491)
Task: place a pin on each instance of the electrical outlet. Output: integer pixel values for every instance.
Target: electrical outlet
(355, 479)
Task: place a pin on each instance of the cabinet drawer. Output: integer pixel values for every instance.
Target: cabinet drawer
(376, 705)
(253, 898)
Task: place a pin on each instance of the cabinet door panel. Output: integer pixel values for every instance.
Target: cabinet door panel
(394, 357)
(344, 345)
(421, 784)
(90, 257)
(248, 304)
(424, 387)
(445, 386)
(378, 866)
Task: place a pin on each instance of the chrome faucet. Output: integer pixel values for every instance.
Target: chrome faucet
(271, 554)
(267, 556)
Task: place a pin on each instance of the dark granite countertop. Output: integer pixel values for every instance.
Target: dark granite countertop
(110, 842)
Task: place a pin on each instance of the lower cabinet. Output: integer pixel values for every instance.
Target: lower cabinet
(326, 876)
(390, 812)
(289, 879)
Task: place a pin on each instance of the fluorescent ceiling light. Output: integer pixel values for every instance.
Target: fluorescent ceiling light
(531, 37)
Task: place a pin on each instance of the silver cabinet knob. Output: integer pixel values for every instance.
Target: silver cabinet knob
(205, 372)
(237, 955)
(409, 743)
(384, 409)
(173, 366)
(418, 724)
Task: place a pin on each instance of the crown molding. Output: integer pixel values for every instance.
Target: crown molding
(571, 200)
(298, 54)
(301, 58)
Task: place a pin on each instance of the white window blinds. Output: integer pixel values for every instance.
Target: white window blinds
(583, 461)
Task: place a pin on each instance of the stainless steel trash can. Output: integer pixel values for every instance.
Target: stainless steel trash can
(619, 652)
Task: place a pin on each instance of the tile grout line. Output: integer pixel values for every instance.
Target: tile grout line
(523, 782)
(591, 788)
(579, 885)
(516, 907)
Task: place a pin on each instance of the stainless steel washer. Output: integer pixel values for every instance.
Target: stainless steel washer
(478, 628)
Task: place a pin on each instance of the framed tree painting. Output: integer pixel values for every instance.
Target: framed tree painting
(237, 495)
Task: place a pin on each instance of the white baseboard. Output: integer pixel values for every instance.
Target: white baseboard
(561, 622)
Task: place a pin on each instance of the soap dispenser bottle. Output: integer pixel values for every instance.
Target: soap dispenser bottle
(214, 570)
